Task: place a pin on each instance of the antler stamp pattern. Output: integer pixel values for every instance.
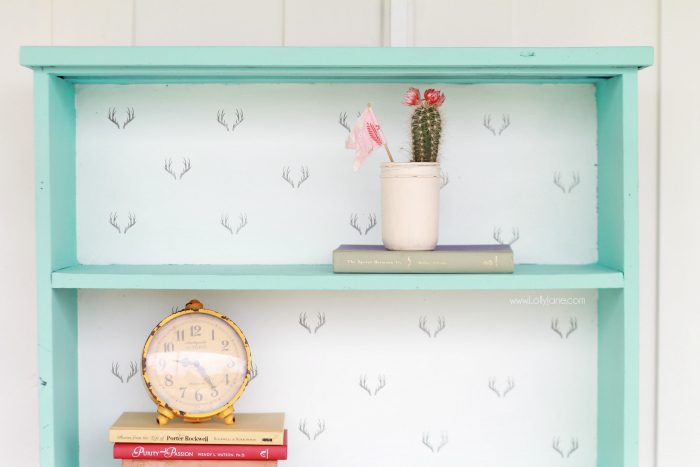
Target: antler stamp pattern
(573, 447)
(320, 322)
(355, 223)
(287, 177)
(556, 447)
(320, 428)
(429, 444)
(444, 179)
(168, 167)
(575, 181)
(505, 123)
(423, 326)
(381, 384)
(133, 369)
(221, 118)
(242, 222)
(493, 386)
(573, 326)
(112, 117)
(515, 236)
(343, 121)
(114, 222)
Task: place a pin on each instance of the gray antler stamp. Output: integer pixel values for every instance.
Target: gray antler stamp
(487, 123)
(287, 176)
(133, 369)
(168, 167)
(234, 229)
(493, 386)
(355, 223)
(221, 118)
(112, 117)
(575, 181)
(372, 391)
(423, 326)
(304, 323)
(573, 326)
(114, 222)
(320, 428)
(515, 236)
(435, 448)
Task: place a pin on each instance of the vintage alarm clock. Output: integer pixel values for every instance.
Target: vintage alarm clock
(196, 364)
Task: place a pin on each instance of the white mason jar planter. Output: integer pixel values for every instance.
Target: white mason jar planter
(410, 205)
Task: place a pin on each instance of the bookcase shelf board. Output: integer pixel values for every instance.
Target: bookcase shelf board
(613, 72)
(321, 277)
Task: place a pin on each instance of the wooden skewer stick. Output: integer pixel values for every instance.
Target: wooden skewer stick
(388, 153)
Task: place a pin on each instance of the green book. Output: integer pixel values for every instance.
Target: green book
(443, 259)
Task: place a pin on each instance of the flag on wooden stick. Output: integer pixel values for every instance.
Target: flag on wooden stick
(366, 136)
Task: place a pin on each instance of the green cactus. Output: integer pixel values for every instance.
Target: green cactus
(426, 129)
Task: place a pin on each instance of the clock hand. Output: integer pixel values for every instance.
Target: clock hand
(203, 373)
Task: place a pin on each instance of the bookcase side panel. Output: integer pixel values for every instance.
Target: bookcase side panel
(57, 309)
(618, 361)
(610, 173)
(631, 269)
(618, 358)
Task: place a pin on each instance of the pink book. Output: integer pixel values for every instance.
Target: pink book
(180, 463)
(201, 451)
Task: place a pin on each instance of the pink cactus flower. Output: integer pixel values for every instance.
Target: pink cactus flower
(434, 97)
(412, 96)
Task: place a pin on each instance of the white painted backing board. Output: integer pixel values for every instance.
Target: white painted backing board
(501, 176)
(435, 385)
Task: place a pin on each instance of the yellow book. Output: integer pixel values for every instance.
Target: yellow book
(249, 428)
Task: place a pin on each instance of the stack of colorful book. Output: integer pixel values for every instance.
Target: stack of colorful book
(254, 440)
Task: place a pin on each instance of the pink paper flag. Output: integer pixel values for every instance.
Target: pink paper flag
(364, 137)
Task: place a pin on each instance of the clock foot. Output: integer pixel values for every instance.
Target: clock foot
(227, 416)
(164, 416)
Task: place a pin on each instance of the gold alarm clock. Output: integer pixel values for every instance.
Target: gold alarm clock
(196, 363)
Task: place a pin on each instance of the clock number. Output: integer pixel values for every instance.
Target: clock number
(227, 380)
(161, 363)
(168, 380)
(224, 346)
(214, 392)
(180, 335)
(182, 391)
(212, 334)
(231, 363)
(198, 396)
(168, 347)
(195, 330)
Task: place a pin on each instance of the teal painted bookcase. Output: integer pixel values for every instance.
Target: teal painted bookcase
(59, 275)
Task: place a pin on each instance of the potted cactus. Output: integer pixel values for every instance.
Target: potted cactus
(410, 190)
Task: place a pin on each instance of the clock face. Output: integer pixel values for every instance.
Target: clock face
(196, 363)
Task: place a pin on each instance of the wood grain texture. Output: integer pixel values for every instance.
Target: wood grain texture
(208, 22)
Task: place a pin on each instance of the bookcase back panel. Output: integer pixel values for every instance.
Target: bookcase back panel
(240, 174)
(451, 378)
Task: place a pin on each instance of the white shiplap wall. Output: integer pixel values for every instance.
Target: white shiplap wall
(291, 22)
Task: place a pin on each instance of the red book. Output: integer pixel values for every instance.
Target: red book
(200, 451)
(182, 463)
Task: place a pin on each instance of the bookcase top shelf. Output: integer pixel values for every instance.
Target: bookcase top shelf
(321, 277)
(337, 64)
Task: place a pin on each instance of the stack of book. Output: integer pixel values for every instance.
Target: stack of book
(254, 440)
(443, 259)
